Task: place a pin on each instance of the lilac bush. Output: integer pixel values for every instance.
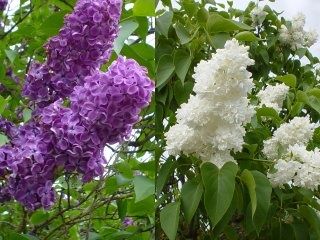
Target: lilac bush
(102, 107)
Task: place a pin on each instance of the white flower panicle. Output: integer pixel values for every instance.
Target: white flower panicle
(298, 131)
(258, 15)
(294, 34)
(273, 96)
(299, 167)
(294, 164)
(210, 124)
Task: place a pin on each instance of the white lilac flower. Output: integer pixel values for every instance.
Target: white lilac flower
(210, 124)
(295, 36)
(299, 167)
(273, 96)
(258, 15)
(298, 131)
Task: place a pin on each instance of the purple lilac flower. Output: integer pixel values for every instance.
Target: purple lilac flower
(8, 128)
(127, 222)
(83, 44)
(28, 165)
(102, 111)
(10, 74)
(3, 4)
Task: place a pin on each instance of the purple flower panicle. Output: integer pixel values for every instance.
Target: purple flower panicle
(83, 44)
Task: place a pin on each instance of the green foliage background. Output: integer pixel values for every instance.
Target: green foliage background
(95, 210)
(200, 201)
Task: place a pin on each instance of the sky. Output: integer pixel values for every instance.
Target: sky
(310, 8)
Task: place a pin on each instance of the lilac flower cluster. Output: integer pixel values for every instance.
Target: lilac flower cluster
(101, 111)
(3, 4)
(29, 166)
(83, 44)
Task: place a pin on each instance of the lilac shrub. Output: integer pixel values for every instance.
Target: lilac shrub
(102, 109)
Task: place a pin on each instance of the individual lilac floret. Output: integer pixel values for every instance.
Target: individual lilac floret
(84, 43)
(37, 82)
(8, 128)
(3, 4)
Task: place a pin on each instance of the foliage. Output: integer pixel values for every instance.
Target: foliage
(119, 205)
(234, 202)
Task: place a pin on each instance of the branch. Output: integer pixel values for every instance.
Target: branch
(20, 20)
(88, 212)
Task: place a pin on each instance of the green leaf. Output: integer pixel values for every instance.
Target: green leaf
(182, 33)
(249, 181)
(191, 194)
(165, 69)
(312, 218)
(289, 79)
(3, 139)
(301, 52)
(311, 100)
(27, 114)
(301, 231)
(143, 187)
(144, 8)
(182, 62)
(263, 193)
(314, 92)
(264, 54)
(217, 23)
(38, 217)
(246, 36)
(169, 219)
(268, 112)
(30, 237)
(11, 55)
(182, 92)
(4, 103)
(219, 185)
(51, 25)
(219, 40)
(126, 29)
(164, 22)
(296, 109)
(163, 175)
